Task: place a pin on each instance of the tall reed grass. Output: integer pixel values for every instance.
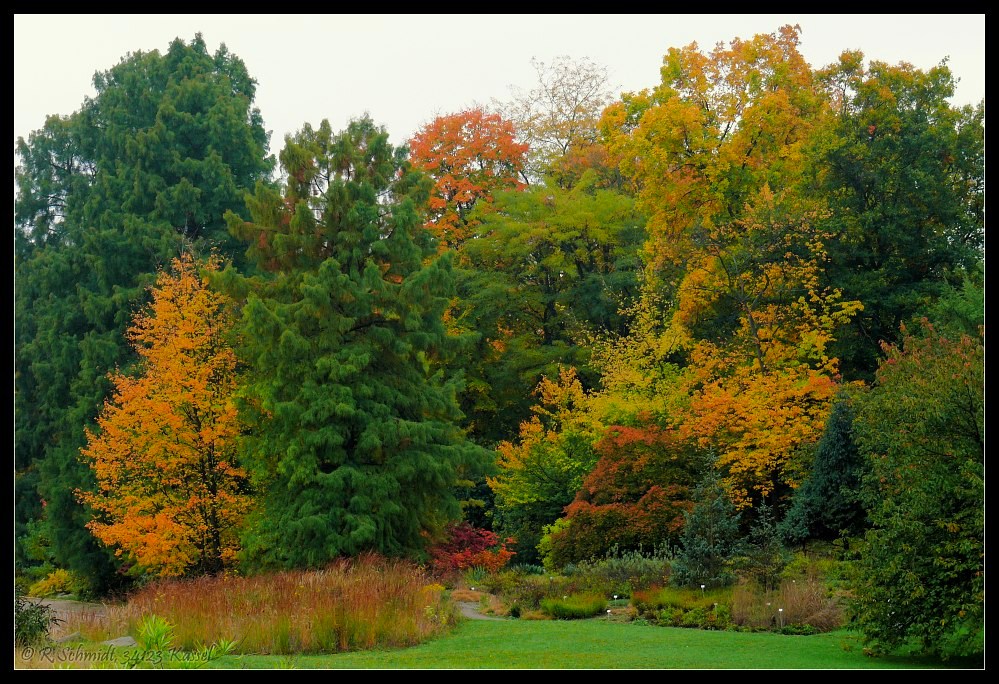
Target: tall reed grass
(368, 602)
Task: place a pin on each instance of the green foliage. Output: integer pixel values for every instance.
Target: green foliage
(921, 574)
(763, 557)
(903, 173)
(623, 572)
(574, 607)
(709, 540)
(354, 438)
(672, 607)
(827, 504)
(32, 620)
(154, 634)
(105, 195)
(547, 265)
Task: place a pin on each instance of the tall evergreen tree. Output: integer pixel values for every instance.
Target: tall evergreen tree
(106, 196)
(356, 444)
(827, 504)
(710, 538)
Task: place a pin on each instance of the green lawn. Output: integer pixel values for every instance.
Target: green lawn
(599, 644)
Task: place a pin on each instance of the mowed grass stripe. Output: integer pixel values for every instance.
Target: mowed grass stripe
(599, 644)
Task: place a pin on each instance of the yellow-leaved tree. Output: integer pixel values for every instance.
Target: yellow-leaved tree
(170, 493)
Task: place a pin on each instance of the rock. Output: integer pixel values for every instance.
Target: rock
(123, 642)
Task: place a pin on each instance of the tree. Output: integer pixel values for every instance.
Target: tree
(635, 497)
(760, 375)
(547, 268)
(922, 430)
(539, 474)
(558, 119)
(827, 504)
(763, 555)
(354, 439)
(470, 155)
(106, 196)
(903, 172)
(711, 135)
(710, 538)
(170, 491)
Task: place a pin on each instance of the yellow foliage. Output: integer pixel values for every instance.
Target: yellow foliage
(169, 491)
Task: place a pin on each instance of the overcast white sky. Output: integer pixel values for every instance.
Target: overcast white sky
(406, 69)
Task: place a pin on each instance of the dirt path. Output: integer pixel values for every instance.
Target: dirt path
(471, 611)
(66, 610)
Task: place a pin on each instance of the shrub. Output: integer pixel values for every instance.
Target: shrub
(575, 607)
(56, 582)
(32, 621)
(622, 573)
(468, 547)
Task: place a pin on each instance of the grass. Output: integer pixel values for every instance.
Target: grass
(603, 644)
(366, 603)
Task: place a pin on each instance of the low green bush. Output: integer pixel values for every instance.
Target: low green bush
(575, 607)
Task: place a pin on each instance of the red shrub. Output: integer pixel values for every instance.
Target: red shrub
(470, 547)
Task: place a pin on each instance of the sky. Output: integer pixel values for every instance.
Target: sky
(404, 70)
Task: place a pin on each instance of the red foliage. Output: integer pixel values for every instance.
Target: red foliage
(470, 547)
(635, 496)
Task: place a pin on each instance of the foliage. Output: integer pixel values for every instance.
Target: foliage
(558, 119)
(547, 269)
(764, 557)
(710, 538)
(827, 504)
(171, 493)
(922, 429)
(32, 620)
(105, 196)
(636, 496)
(470, 155)
(903, 172)
(469, 547)
(623, 572)
(575, 607)
(354, 437)
(59, 581)
(540, 473)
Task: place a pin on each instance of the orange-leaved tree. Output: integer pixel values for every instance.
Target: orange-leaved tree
(470, 155)
(170, 493)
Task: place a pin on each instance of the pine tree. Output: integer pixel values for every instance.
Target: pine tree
(709, 539)
(827, 504)
(355, 445)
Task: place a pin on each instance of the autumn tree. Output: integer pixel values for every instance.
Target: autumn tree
(922, 430)
(717, 129)
(541, 470)
(470, 155)
(106, 196)
(354, 442)
(170, 491)
(635, 497)
(558, 118)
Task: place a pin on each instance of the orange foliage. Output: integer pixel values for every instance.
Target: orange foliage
(470, 156)
(169, 490)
